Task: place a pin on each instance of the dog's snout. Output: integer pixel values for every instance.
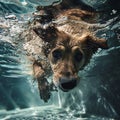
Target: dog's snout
(67, 84)
(68, 74)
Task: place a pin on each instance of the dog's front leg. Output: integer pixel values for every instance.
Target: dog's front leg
(43, 85)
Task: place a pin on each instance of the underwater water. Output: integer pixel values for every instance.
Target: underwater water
(98, 95)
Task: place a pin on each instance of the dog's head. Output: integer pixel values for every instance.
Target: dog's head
(68, 54)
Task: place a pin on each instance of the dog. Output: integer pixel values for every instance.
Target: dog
(60, 41)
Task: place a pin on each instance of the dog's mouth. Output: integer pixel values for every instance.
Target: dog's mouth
(67, 86)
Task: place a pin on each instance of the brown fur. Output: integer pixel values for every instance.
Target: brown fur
(66, 46)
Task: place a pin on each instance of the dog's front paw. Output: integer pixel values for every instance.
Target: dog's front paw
(45, 94)
(44, 90)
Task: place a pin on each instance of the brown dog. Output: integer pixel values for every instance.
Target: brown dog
(60, 41)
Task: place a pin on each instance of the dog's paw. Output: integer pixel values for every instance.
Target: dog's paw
(44, 90)
(45, 94)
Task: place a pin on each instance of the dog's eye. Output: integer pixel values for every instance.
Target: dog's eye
(57, 54)
(78, 55)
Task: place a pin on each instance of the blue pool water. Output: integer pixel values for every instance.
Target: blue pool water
(96, 98)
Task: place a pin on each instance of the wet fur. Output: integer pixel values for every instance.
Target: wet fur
(60, 28)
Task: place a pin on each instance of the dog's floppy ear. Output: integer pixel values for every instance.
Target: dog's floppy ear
(93, 43)
(47, 34)
(97, 42)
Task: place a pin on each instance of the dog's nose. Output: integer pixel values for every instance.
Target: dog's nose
(68, 74)
(67, 84)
